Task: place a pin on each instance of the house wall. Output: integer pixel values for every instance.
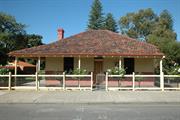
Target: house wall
(86, 63)
(54, 64)
(144, 65)
(110, 62)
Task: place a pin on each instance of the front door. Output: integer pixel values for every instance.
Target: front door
(98, 69)
(129, 65)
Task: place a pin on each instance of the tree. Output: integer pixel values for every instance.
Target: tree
(164, 26)
(156, 29)
(96, 16)
(14, 37)
(110, 23)
(164, 37)
(138, 25)
(34, 40)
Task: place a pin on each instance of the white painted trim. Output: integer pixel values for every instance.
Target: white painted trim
(91, 81)
(133, 80)
(120, 76)
(24, 87)
(172, 76)
(15, 65)
(79, 63)
(120, 63)
(50, 75)
(39, 63)
(78, 75)
(148, 88)
(4, 75)
(171, 88)
(15, 70)
(106, 81)
(78, 88)
(51, 88)
(9, 83)
(23, 75)
(120, 88)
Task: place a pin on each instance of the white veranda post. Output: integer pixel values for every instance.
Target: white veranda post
(38, 65)
(161, 74)
(15, 70)
(79, 63)
(15, 65)
(120, 63)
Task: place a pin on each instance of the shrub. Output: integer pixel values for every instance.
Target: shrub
(78, 71)
(4, 71)
(174, 70)
(116, 71)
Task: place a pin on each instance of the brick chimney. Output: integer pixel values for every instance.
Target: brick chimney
(60, 33)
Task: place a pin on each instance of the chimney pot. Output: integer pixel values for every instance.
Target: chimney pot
(60, 33)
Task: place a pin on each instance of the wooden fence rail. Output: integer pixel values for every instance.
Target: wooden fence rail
(82, 82)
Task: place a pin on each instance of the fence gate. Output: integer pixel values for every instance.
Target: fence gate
(100, 82)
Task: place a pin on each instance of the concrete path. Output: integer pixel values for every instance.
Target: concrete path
(89, 97)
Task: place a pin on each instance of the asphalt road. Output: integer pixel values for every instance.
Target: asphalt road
(89, 111)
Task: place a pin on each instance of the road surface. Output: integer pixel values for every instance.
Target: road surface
(89, 111)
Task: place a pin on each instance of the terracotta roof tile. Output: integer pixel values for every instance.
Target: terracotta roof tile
(93, 42)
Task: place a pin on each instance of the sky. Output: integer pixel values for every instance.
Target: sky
(44, 17)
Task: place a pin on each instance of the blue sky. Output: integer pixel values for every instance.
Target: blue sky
(44, 17)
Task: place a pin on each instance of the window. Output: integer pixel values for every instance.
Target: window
(129, 65)
(68, 64)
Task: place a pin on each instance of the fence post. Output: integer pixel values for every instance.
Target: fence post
(37, 86)
(106, 81)
(91, 81)
(9, 85)
(133, 81)
(64, 80)
(162, 81)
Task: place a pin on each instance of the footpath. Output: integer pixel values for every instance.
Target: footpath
(89, 97)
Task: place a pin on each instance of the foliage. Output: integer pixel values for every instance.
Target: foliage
(14, 37)
(156, 29)
(138, 25)
(4, 71)
(110, 23)
(164, 37)
(116, 71)
(96, 16)
(174, 70)
(78, 71)
(34, 40)
(9, 25)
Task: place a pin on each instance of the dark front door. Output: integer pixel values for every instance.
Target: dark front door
(98, 68)
(68, 64)
(129, 65)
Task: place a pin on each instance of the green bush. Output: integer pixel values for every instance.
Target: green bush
(4, 71)
(174, 70)
(78, 71)
(116, 71)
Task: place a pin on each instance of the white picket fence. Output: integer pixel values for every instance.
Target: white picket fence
(85, 82)
(149, 82)
(38, 82)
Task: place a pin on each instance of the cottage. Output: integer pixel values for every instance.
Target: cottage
(96, 51)
(22, 67)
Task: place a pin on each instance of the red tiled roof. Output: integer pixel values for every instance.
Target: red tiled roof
(20, 64)
(92, 43)
(23, 64)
